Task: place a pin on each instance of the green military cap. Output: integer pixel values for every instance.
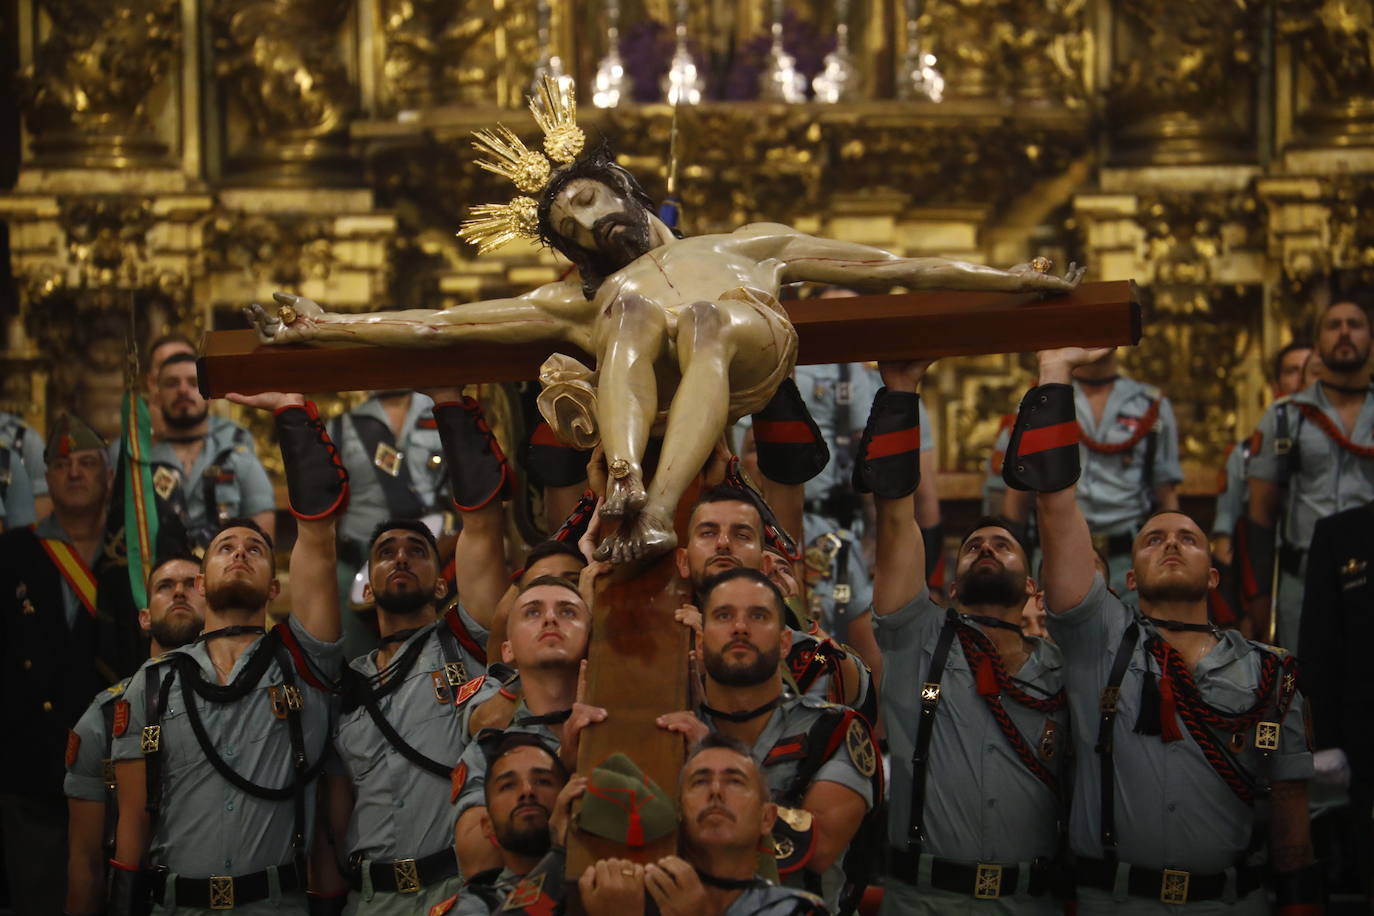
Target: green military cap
(624, 805)
(69, 434)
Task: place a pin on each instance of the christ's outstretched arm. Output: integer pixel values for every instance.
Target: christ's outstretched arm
(807, 257)
(555, 312)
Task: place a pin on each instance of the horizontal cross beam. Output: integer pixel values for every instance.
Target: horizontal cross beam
(857, 329)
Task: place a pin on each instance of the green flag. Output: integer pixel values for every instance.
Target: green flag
(140, 507)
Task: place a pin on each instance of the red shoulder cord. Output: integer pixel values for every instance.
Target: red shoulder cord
(1147, 423)
(1333, 432)
(1179, 694)
(993, 681)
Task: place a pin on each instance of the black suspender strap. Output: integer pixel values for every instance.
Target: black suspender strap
(300, 764)
(150, 742)
(920, 760)
(107, 763)
(208, 480)
(398, 488)
(1107, 709)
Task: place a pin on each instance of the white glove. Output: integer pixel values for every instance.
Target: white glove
(1331, 767)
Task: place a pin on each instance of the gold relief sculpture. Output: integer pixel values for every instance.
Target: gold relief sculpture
(280, 247)
(1334, 47)
(470, 52)
(1029, 50)
(1201, 331)
(86, 95)
(281, 61)
(1182, 78)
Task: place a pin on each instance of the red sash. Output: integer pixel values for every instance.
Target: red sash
(1333, 432)
(73, 569)
(1147, 423)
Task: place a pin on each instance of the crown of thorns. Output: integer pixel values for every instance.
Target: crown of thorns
(554, 107)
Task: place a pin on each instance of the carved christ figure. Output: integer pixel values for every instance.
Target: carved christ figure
(687, 333)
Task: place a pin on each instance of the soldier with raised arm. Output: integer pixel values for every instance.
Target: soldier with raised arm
(1180, 728)
(687, 332)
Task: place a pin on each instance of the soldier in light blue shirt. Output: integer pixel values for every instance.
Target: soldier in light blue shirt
(222, 740)
(403, 726)
(395, 463)
(23, 475)
(1180, 729)
(205, 468)
(978, 723)
(1319, 445)
(173, 618)
(1129, 455)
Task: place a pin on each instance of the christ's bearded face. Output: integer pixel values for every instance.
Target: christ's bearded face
(595, 217)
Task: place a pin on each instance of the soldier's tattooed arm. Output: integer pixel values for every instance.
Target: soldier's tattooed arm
(1290, 829)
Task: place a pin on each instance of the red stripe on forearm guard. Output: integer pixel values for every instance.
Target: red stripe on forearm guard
(1048, 437)
(788, 431)
(885, 445)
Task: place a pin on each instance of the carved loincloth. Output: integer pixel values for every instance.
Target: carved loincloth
(568, 398)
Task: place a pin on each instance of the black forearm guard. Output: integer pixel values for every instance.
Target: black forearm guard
(1302, 891)
(318, 905)
(790, 445)
(130, 892)
(477, 469)
(316, 481)
(1043, 452)
(888, 463)
(1254, 558)
(550, 462)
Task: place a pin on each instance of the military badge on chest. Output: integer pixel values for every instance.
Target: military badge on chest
(1353, 574)
(164, 481)
(387, 459)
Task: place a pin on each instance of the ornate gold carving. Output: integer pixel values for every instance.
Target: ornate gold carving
(285, 248)
(1181, 80)
(87, 92)
(281, 61)
(467, 52)
(1030, 50)
(1333, 42)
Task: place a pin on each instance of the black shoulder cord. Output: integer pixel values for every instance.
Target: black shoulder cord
(150, 742)
(920, 759)
(192, 683)
(1107, 708)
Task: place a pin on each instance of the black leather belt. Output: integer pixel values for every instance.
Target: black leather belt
(224, 892)
(408, 876)
(1169, 885)
(982, 880)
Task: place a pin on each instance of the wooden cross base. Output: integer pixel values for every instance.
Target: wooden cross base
(905, 326)
(636, 670)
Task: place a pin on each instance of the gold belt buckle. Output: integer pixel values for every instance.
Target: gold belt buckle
(221, 892)
(987, 884)
(1173, 887)
(407, 876)
(151, 740)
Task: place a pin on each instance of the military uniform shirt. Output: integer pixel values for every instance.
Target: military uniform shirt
(28, 446)
(206, 826)
(1172, 809)
(400, 810)
(764, 898)
(16, 498)
(242, 487)
(423, 458)
(85, 778)
(472, 793)
(1112, 489)
(1326, 478)
(981, 803)
(471, 904)
(793, 719)
(1231, 500)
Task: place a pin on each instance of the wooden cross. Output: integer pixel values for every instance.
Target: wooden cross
(637, 665)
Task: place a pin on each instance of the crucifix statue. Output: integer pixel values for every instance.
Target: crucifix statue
(687, 333)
